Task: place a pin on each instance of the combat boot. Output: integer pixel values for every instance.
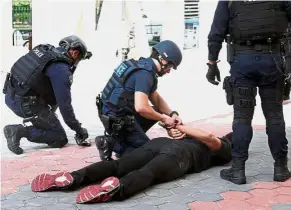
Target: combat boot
(235, 174)
(13, 134)
(105, 147)
(281, 171)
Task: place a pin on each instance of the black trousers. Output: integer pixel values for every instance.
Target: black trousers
(158, 161)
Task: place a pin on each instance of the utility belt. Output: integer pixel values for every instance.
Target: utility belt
(112, 124)
(239, 49)
(267, 46)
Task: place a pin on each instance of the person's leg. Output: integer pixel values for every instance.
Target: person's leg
(275, 129)
(243, 82)
(94, 172)
(161, 168)
(133, 137)
(47, 129)
(14, 133)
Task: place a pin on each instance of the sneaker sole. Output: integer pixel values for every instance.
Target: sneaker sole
(98, 193)
(44, 182)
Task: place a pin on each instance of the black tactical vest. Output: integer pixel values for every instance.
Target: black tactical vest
(29, 72)
(257, 20)
(115, 94)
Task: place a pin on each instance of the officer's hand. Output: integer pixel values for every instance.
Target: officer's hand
(213, 72)
(81, 137)
(178, 120)
(175, 133)
(168, 122)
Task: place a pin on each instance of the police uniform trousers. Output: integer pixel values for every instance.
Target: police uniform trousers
(159, 160)
(133, 136)
(262, 73)
(52, 133)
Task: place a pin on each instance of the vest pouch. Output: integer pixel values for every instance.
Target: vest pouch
(115, 96)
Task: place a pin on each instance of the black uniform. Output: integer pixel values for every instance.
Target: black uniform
(159, 160)
(255, 30)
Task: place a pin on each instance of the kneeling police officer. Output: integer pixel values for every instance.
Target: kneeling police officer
(39, 83)
(254, 31)
(123, 105)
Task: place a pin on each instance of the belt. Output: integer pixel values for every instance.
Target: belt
(32, 100)
(256, 49)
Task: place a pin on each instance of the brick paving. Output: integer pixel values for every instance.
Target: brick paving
(204, 190)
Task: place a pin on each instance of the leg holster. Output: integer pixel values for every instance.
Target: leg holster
(228, 90)
(113, 125)
(244, 100)
(39, 116)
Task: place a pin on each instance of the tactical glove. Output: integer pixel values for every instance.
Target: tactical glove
(213, 72)
(81, 137)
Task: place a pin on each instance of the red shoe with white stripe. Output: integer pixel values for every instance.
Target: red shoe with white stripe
(47, 181)
(99, 193)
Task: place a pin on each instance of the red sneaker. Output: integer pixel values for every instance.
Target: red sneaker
(47, 181)
(99, 193)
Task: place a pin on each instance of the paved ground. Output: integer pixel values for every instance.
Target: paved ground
(196, 191)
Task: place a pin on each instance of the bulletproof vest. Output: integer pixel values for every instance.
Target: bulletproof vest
(257, 20)
(29, 71)
(116, 96)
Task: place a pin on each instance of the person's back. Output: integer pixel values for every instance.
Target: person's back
(38, 84)
(118, 97)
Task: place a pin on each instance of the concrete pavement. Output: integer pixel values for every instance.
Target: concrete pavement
(204, 190)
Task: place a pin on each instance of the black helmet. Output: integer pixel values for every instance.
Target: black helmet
(74, 42)
(170, 52)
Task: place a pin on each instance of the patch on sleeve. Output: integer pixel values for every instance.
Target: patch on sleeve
(119, 71)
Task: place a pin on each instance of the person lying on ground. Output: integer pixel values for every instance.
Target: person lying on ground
(160, 160)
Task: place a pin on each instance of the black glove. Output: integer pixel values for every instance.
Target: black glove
(213, 72)
(81, 137)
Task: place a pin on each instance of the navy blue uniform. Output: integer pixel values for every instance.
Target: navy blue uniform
(61, 78)
(251, 70)
(134, 136)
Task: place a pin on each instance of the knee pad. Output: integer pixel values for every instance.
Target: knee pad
(273, 113)
(244, 103)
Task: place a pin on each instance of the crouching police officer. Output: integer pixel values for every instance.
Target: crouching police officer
(255, 31)
(123, 105)
(39, 83)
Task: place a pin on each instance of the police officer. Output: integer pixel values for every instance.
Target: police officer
(253, 30)
(39, 83)
(124, 106)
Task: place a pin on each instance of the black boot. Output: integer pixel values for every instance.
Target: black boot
(13, 134)
(105, 147)
(281, 171)
(235, 174)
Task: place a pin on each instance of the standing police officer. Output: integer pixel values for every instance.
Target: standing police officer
(38, 84)
(124, 107)
(253, 30)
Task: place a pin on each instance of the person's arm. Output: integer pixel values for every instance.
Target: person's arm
(144, 84)
(219, 29)
(205, 137)
(157, 100)
(59, 76)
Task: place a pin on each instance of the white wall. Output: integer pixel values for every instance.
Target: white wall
(186, 89)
